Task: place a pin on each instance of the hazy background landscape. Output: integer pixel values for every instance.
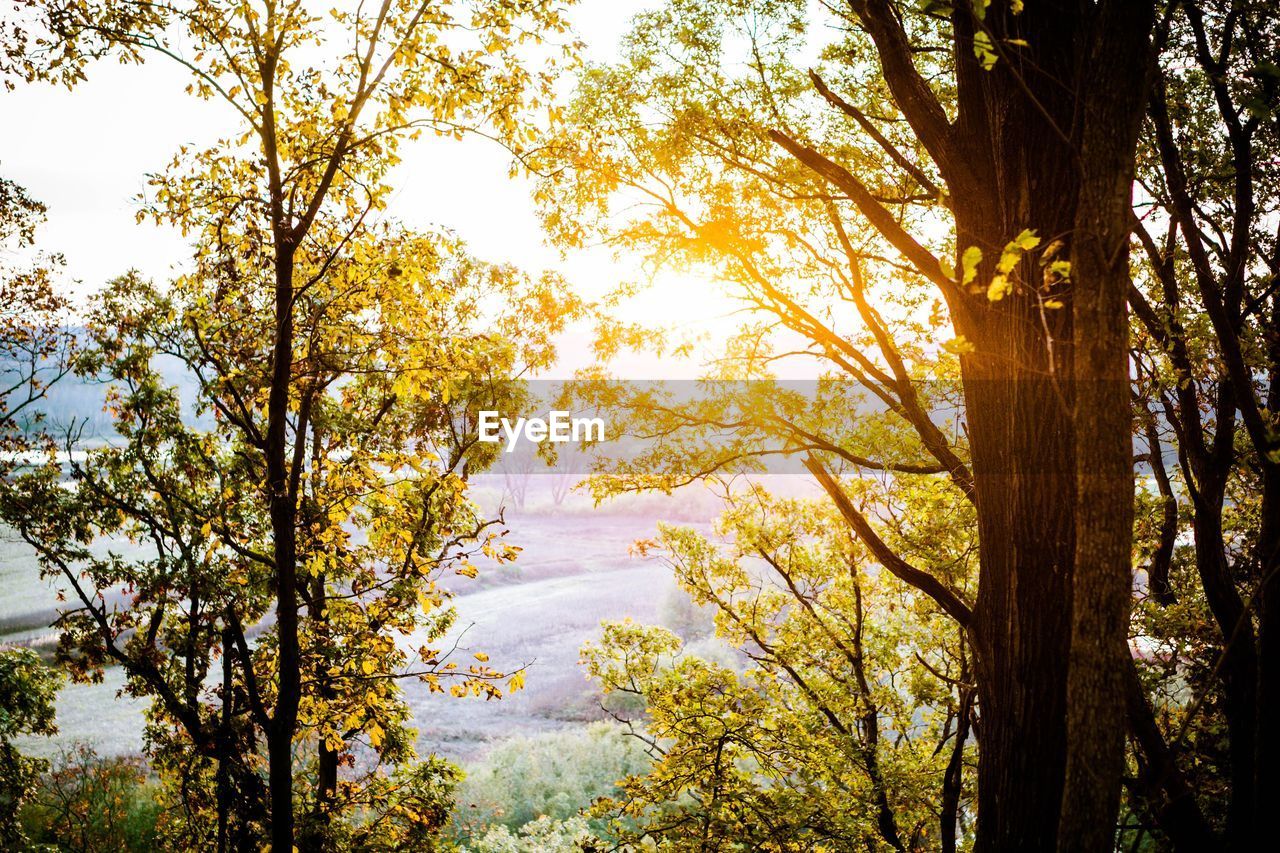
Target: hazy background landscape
(573, 572)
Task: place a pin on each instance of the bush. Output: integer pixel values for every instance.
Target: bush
(553, 775)
(27, 691)
(89, 803)
(543, 835)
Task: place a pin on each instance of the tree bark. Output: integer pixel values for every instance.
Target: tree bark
(283, 510)
(1113, 97)
(1047, 137)
(1266, 765)
(1018, 402)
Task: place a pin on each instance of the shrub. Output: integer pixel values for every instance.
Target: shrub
(543, 835)
(27, 691)
(90, 803)
(554, 775)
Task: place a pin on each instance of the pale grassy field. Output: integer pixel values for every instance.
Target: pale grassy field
(574, 571)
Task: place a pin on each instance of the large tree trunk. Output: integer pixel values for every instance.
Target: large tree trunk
(1110, 118)
(1052, 456)
(1022, 451)
(1266, 766)
(1018, 407)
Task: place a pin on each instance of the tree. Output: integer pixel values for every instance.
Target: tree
(981, 155)
(27, 691)
(337, 354)
(95, 804)
(1207, 356)
(35, 345)
(850, 727)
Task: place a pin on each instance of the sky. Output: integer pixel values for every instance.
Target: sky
(85, 153)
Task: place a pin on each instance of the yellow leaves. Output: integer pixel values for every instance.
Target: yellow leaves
(984, 50)
(969, 262)
(999, 288)
(937, 314)
(398, 353)
(1026, 240)
(959, 345)
(316, 564)
(516, 681)
(1002, 283)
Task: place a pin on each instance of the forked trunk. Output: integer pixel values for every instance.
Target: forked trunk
(1047, 402)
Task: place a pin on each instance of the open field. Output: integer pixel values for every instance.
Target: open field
(573, 572)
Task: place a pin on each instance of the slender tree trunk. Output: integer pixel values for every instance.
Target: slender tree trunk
(283, 508)
(1238, 671)
(1170, 799)
(326, 786)
(223, 775)
(953, 777)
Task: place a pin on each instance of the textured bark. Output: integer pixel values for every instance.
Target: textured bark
(1266, 789)
(1018, 400)
(1014, 159)
(283, 510)
(1110, 116)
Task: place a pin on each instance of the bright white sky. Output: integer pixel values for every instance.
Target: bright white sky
(86, 153)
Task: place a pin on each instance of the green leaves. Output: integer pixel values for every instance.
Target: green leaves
(969, 262)
(1001, 286)
(1002, 283)
(393, 340)
(27, 692)
(760, 720)
(984, 50)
